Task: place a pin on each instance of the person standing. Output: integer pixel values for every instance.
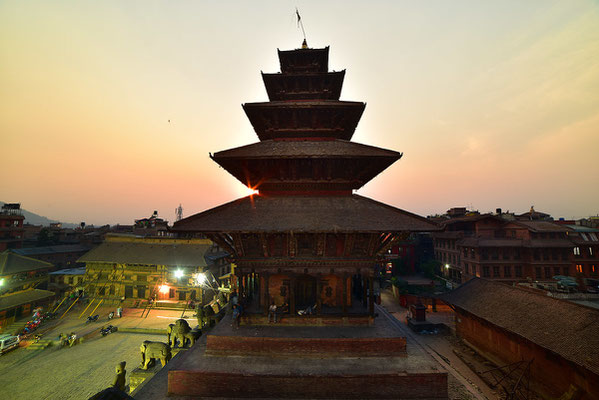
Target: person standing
(272, 312)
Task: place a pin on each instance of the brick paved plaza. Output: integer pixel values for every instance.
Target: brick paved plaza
(82, 370)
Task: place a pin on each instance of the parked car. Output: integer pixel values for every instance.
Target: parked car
(8, 342)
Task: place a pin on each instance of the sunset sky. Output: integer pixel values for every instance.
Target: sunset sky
(494, 104)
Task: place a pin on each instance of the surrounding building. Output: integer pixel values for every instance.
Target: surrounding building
(492, 247)
(146, 268)
(556, 341)
(11, 226)
(22, 280)
(586, 253)
(61, 256)
(151, 226)
(69, 280)
(306, 244)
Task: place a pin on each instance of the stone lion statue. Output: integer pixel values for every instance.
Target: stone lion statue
(180, 331)
(150, 351)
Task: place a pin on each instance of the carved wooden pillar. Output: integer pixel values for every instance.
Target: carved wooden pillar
(344, 295)
(370, 296)
(261, 286)
(266, 298)
(318, 294)
(292, 282)
(364, 290)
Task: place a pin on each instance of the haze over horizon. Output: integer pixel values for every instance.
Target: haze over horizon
(492, 104)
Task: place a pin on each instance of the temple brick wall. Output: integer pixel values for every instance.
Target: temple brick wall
(353, 347)
(381, 386)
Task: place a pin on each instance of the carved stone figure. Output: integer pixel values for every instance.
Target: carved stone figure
(150, 351)
(119, 379)
(181, 332)
(169, 332)
(200, 315)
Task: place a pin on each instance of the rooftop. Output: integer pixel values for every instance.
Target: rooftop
(63, 248)
(11, 263)
(26, 296)
(157, 252)
(261, 213)
(562, 327)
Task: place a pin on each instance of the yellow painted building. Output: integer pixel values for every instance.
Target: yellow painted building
(133, 267)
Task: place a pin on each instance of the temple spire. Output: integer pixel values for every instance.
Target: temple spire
(300, 24)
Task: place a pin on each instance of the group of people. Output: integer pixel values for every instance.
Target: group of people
(275, 312)
(69, 339)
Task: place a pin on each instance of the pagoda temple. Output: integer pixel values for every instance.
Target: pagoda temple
(308, 244)
(305, 239)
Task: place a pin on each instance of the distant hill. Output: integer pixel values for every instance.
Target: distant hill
(35, 219)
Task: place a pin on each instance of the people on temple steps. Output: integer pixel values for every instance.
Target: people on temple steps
(237, 310)
(272, 312)
(307, 311)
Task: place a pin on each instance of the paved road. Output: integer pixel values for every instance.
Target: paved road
(463, 382)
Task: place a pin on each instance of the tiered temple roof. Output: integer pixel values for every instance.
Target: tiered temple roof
(304, 167)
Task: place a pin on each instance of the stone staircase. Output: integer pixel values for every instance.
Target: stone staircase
(15, 327)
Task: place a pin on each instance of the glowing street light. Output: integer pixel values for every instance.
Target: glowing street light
(446, 266)
(200, 278)
(163, 289)
(179, 273)
(1, 281)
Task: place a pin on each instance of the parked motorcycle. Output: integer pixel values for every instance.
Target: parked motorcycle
(92, 319)
(109, 329)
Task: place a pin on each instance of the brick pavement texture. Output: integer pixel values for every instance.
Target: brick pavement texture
(69, 373)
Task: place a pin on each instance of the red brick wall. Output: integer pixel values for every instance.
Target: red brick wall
(551, 373)
(358, 347)
(380, 386)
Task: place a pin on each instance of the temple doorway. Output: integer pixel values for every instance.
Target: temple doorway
(305, 292)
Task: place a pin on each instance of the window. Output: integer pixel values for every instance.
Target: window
(518, 271)
(466, 268)
(576, 251)
(590, 251)
(536, 255)
(538, 272)
(593, 268)
(507, 271)
(547, 272)
(486, 273)
(555, 270)
(496, 272)
(71, 279)
(485, 254)
(579, 268)
(495, 254)
(506, 254)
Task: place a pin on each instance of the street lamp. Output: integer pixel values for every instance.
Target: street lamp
(179, 274)
(200, 278)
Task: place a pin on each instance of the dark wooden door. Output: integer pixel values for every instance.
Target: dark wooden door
(305, 292)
